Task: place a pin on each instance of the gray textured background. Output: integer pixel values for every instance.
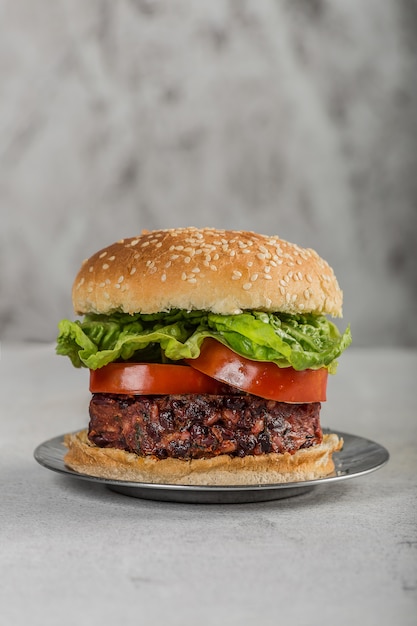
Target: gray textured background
(295, 117)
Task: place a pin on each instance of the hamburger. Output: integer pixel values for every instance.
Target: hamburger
(209, 352)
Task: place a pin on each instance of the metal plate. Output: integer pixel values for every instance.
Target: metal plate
(359, 456)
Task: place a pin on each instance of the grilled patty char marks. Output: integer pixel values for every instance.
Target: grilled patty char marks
(202, 426)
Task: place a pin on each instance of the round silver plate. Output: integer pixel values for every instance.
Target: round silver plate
(359, 456)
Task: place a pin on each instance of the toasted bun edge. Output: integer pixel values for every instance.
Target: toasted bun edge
(110, 463)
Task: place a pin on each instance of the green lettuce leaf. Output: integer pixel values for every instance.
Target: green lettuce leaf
(299, 341)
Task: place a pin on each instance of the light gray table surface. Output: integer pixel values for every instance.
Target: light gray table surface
(74, 552)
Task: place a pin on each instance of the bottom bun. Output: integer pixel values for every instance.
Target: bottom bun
(111, 463)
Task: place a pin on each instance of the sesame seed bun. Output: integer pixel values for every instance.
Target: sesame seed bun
(221, 271)
(111, 463)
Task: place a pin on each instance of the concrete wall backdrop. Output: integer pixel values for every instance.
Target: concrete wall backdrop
(289, 117)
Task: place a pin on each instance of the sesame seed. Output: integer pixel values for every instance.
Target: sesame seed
(246, 251)
(307, 294)
(117, 285)
(120, 279)
(105, 267)
(260, 256)
(308, 277)
(196, 270)
(159, 244)
(134, 242)
(183, 276)
(173, 257)
(107, 281)
(254, 277)
(268, 276)
(187, 259)
(102, 255)
(247, 286)
(288, 297)
(283, 283)
(267, 269)
(145, 243)
(163, 277)
(282, 290)
(132, 271)
(249, 264)
(102, 284)
(192, 280)
(237, 274)
(213, 267)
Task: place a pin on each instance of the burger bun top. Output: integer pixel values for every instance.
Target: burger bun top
(221, 271)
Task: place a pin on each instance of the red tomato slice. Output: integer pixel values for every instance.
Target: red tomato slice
(151, 378)
(266, 380)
